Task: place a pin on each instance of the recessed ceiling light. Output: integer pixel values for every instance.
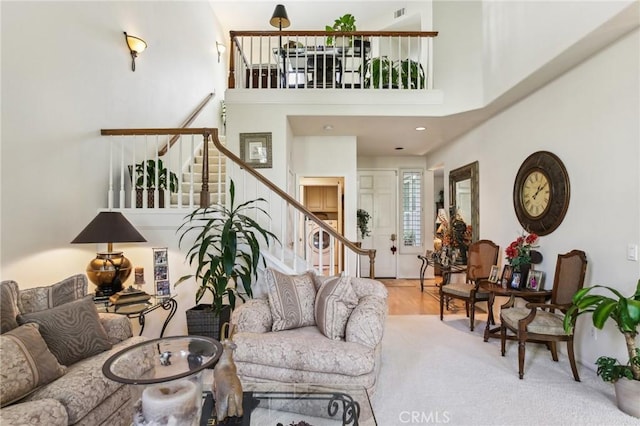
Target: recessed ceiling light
(421, 128)
(327, 127)
(399, 148)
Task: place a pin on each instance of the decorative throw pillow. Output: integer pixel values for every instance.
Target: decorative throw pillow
(291, 299)
(41, 298)
(334, 302)
(27, 363)
(72, 331)
(8, 306)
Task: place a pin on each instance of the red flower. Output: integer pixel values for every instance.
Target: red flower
(519, 251)
(531, 238)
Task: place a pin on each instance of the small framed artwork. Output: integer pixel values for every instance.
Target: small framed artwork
(516, 281)
(507, 273)
(161, 271)
(493, 275)
(534, 280)
(255, 149)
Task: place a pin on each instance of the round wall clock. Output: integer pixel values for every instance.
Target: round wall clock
(541, 193)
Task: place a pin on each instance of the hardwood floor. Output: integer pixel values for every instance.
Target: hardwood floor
(405, 298)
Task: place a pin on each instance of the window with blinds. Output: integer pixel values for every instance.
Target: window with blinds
(411, 208)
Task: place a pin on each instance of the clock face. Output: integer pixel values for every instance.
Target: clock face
(541, 193)
(535, 193)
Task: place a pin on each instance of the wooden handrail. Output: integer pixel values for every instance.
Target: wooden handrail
(187, 122)
(231, 82)
(207, 132)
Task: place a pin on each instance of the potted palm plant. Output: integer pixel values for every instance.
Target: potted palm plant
(167, 180)
(625, 312)
(226, 254)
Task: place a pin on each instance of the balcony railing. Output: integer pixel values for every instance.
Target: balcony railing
(360, 60)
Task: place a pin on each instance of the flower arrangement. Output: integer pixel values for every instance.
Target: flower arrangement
(455, 236)
(519, 251)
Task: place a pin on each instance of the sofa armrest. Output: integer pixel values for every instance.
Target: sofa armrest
(254, 316)
(118, 327)
(40, 412)
(366, 323)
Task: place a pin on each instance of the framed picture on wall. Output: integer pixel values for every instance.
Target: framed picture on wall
(255, 149)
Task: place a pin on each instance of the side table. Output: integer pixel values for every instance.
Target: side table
(536, 296)
(446, 270)
(140, 310)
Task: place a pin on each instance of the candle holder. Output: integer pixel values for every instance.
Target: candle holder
(169, 372)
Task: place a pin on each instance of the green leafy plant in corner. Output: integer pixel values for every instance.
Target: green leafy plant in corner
(226, 249)
(625, 312)
(345, 23)
(363, 222)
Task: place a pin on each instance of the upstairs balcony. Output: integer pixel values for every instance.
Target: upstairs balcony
(321, 60)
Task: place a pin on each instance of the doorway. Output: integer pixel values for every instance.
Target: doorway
(323, 196)
(378, 195)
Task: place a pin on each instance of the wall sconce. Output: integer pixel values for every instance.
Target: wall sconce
(136, 45)
(221, 48)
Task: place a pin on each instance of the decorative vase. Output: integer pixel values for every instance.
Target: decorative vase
(628, 396)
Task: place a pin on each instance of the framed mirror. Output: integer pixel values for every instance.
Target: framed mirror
(463, 196)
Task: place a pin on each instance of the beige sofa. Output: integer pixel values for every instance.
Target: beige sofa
(305, 354)
(81, 394)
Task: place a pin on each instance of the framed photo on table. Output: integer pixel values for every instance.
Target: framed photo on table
(534, 280)
(493, 275)
(507, 273)
(255, 149)
(161, 271)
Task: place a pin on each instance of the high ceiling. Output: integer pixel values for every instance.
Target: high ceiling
(379, 136)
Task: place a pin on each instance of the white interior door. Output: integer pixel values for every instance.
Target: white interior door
(377, 195)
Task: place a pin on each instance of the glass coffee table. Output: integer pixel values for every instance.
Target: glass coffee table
(169, 372)
(299, 405)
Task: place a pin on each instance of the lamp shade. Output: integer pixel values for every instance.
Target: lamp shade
(109, 227)
(136, 44)
(279, 19)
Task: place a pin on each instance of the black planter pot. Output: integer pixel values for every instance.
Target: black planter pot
(202, 321)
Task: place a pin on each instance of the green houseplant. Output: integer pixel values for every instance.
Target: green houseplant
(382, 72)
(363, 222)
(345, 23)
(167, 180)
(625, 312)
(226, 254)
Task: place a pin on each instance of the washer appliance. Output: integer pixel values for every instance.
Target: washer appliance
(317, 249)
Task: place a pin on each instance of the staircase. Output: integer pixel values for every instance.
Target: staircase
(217, 177)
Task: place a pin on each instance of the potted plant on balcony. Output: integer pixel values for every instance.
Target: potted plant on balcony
(625, 312)
(226, 254)
(166, 180)
(382, 72)
(345, 23)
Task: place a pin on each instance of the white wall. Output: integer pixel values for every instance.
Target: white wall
(66, 73)
(589, 118)
(521, 36)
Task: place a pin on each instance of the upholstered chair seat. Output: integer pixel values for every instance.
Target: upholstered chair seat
(544, 323)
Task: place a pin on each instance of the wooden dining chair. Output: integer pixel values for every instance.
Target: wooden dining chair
(482, 255)
(539, 322)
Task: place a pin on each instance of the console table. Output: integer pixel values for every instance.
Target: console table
(431, 259)
(536, 296)
(141, 309)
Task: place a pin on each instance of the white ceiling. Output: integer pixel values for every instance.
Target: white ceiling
(379, 136)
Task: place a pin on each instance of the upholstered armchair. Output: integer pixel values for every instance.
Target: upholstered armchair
(338, 342)
(482, 256)
(539, 322)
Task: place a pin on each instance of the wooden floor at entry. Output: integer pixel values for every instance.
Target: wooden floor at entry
(405, 298)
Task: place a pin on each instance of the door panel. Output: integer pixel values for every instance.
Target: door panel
(377, 194)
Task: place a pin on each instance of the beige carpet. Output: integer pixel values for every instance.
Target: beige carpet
(437, 372)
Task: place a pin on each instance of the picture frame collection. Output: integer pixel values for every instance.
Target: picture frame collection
(513, 279)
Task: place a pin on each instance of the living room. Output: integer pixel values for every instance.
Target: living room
(66, 74)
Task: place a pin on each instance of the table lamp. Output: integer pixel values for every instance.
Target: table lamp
(109, 269)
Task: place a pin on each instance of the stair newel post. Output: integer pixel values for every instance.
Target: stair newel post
(372, 264)
(232, 76)
(204, 192)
